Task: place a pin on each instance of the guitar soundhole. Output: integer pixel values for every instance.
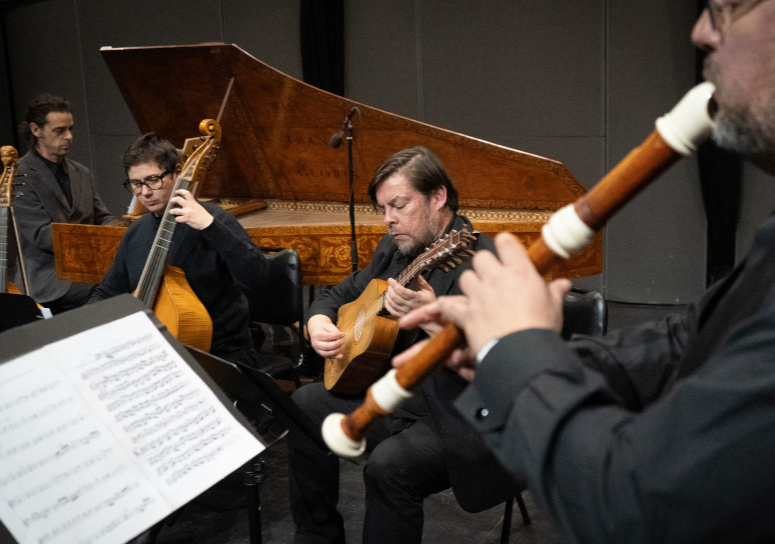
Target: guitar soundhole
(360, 321)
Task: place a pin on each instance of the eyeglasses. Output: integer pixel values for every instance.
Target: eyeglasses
(732, 11)
(135, 186)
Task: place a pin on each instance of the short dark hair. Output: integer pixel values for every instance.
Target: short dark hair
(424, 171)
(151, 148)
(39, 108)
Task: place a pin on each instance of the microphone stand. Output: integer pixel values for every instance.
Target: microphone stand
(348, 131)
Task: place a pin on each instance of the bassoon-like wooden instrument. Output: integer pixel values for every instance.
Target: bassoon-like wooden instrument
(677, 134)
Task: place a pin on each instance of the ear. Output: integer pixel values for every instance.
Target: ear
(439, 198)
(35, 129)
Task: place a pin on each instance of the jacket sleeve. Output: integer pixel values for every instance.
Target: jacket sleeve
(32, 219)
(116, 280)
(350, 288)
(245, 261)
(692, 466)
(638, 362)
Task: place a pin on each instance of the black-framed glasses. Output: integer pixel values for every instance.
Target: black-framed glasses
(734, 10)
(135, 186)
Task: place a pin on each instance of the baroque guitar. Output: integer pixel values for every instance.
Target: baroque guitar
(369, 335)
(10, 158)
(164, 287)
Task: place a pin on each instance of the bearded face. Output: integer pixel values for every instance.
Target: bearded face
(747, 129)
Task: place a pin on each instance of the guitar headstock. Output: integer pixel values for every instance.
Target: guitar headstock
(201, 155)
(447, 252)
(450, 250)
(10, 159)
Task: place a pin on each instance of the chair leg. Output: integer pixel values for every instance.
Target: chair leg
(508, 510)
(252, 478)
(506, 529)
(523, 510)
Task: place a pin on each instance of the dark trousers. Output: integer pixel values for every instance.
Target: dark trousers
(77, 295)
(405, 465)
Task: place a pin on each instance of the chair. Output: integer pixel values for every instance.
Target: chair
(583, 312)
(279, 302)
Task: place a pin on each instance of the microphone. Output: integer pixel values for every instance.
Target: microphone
(336, 139)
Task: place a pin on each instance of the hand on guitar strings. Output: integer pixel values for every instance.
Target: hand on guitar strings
(187, 210)
(324, 337)
(400, 300)
(500, 296)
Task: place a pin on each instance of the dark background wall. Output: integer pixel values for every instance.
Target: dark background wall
(579, 81)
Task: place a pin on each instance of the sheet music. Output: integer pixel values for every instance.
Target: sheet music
(107, 432)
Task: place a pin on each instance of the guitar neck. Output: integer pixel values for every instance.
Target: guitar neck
(157, 257)
(439, 253)
(4, 216)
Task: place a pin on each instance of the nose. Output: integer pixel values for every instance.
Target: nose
(389, 218)
(704, 36)
(69, 135)
(145, 190)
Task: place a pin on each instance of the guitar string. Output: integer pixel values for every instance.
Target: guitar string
(456, 248)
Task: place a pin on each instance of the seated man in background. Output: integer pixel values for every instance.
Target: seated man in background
(56, 190)
(427, 447)
(209, 245)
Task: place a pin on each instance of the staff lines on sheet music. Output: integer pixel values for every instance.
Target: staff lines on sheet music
(152, 397)
(163, 424)
(63, 501)
(63, 450)
(204, 459)
(115, 348)
(194, 449)
(135, 367)
(31, 396)
(123, 399)
(133, 410)
(154, 402)
(196, 420)
(55, 480)
(113, 386)
(86, 514)
(40, 437)
(99, 368)
(111, 526)
(31, 419)
(177, 432)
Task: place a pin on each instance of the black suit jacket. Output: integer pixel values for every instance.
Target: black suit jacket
(663, 432)
(41, 202)
(477, 480)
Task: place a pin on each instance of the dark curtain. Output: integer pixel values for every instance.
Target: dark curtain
(322, 44)
(721, 180)
(8, 133)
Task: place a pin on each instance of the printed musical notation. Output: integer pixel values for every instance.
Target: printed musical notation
(107, 432)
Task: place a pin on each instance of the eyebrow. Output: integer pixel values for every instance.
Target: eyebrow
(397, 198)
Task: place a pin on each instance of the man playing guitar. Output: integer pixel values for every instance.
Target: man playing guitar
(426, 447)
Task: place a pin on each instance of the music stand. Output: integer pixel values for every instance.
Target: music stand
(17, 310)
(266, 410)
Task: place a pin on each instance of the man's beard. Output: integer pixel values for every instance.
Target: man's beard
(419, 244)
(742, 131)
(745, 129)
